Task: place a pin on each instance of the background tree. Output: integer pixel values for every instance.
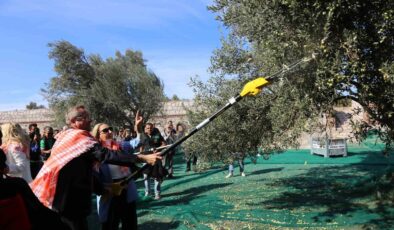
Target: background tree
(124, 84)
(354, 43)
(175, 98)
(268, 122)
(112, 89)
(33, 105)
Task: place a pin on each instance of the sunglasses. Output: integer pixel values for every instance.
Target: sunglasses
(106, 130)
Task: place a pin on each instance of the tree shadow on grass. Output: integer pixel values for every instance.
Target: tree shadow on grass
(334, 191)
(182, 197)
(367, 153)
(263, 171)
(191, 177)
(177, 180)
(159, 225)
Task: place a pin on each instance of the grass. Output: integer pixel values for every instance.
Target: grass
(291, 190)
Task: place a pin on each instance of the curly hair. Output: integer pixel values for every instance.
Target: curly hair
(13, 132)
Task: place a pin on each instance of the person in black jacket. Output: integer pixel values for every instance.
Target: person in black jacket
(20, 208)
(65, 183)
(35, 158)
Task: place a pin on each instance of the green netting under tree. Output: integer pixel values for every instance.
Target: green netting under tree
(290, 190)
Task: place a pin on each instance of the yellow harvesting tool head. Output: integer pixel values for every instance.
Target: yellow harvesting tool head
(254, 87)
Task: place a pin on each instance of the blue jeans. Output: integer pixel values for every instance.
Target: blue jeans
(241, 166)
(147, 183)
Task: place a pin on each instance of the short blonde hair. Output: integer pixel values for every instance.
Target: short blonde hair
(14, 132)
(96, 131)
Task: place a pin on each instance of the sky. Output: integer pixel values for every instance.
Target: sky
(176, 37)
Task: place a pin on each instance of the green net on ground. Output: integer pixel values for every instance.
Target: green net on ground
(290, 190)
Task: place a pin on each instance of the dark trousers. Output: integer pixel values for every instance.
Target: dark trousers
(169, 162)
(121, 211)
(35, 167)
(75, 223)
(190, 161)
(241, 166)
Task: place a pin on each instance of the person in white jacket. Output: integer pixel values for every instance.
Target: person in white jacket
(16, 146)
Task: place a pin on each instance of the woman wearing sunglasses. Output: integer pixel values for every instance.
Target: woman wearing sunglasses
(113, 209)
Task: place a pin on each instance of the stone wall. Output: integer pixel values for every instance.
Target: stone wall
(340, 127)
(43, 117)
(171, 110)
(176, 111)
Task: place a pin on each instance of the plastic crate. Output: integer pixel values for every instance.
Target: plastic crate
(329, 147)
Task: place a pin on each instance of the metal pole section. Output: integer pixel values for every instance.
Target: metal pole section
(230, 102)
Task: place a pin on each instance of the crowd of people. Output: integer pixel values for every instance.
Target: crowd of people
(57, 173)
